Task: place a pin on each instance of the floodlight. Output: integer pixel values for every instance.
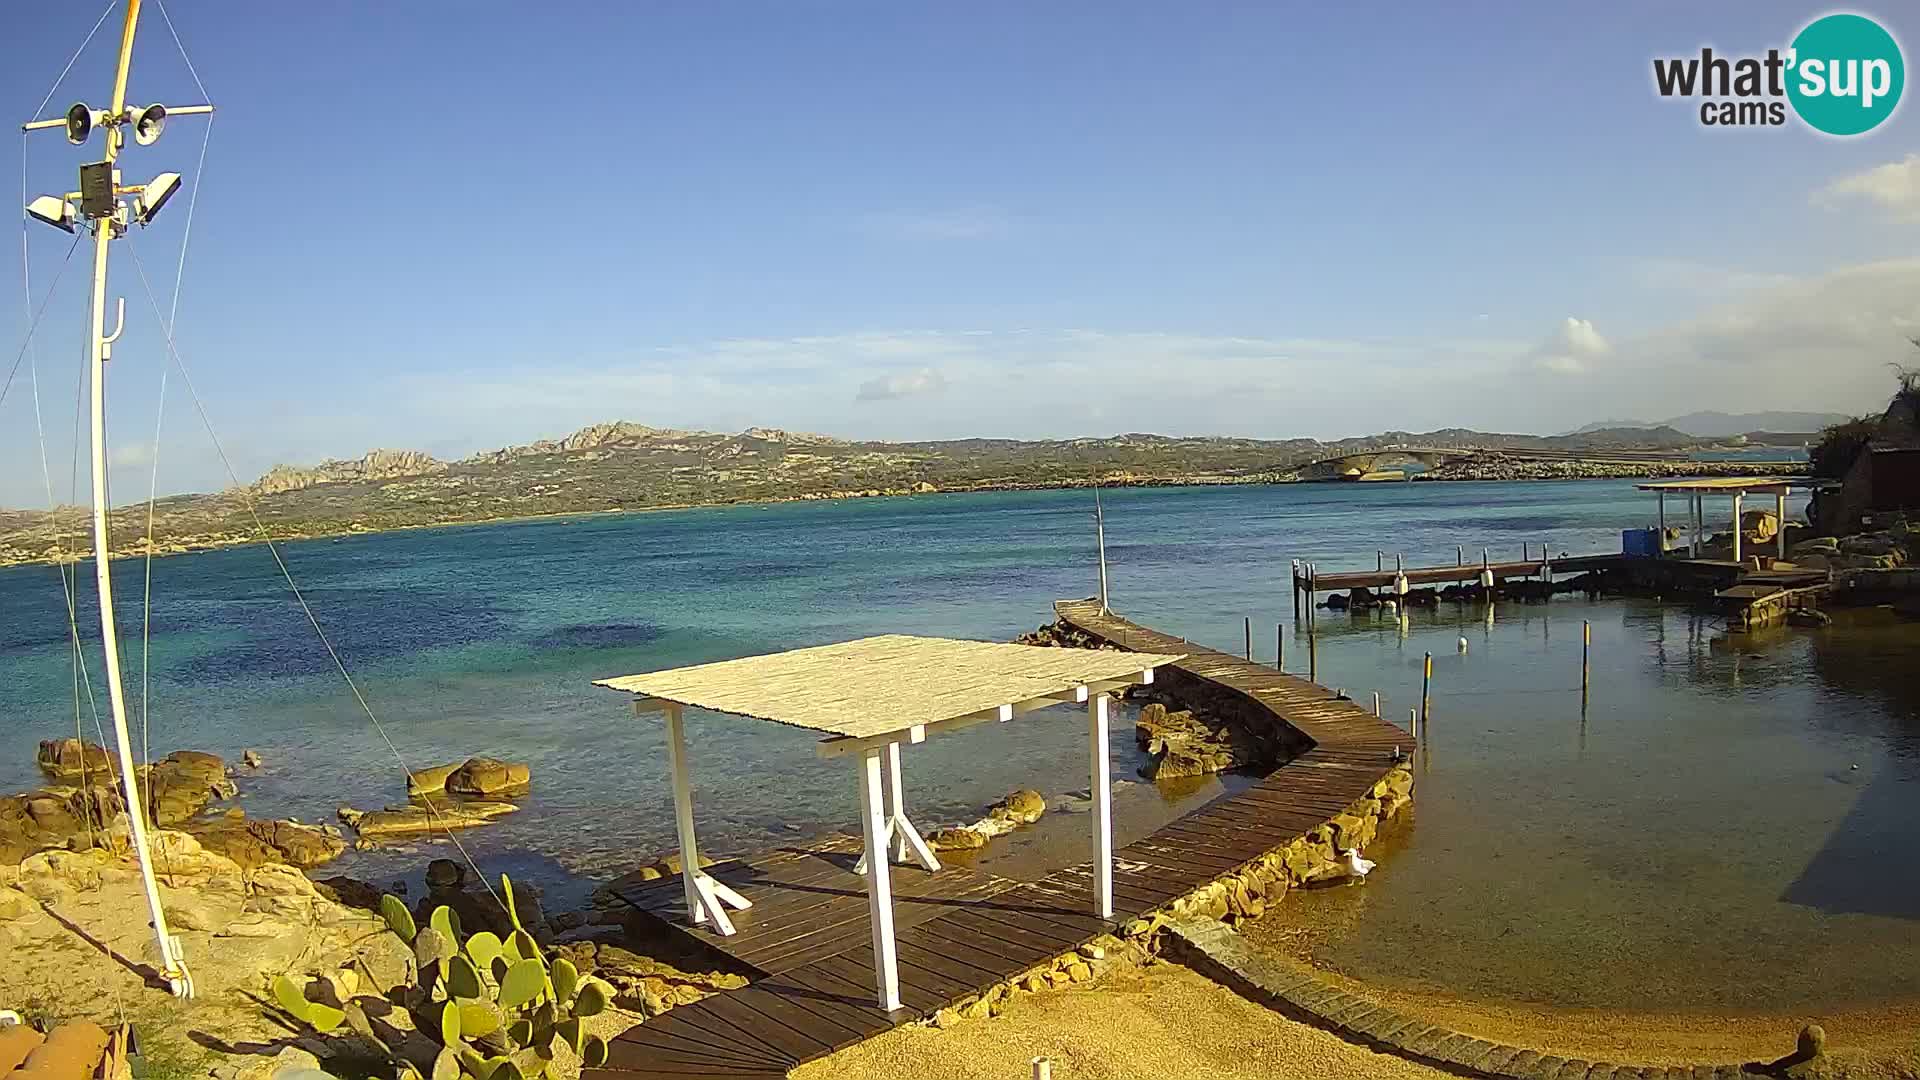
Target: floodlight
(81, 121)
(154, 196)
(148, 123)
(55, 212)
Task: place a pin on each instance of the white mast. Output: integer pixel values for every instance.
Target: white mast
(102, 201)
(1100, 539)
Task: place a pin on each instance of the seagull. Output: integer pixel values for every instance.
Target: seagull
(1357, 866)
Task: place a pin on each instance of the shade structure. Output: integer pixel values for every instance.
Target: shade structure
(1739, 487)
(868, 697)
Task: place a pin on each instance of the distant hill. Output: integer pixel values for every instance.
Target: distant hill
(628, 466)
(1719, 425)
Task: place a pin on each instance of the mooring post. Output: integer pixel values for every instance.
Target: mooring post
(1586, 649)
(1459, 555)
(1399, 563)
(1249, 619)
(1042, 1069)
(1296, 588)
(1310, 591)
(1413, 725)
(1426, 686)
(1280, 647)
(1313, 654)
(1379, 560)
(1376, 703)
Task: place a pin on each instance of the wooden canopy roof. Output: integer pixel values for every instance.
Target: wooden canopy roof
(885, 685)
(1727, 485)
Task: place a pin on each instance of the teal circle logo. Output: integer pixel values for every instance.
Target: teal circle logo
(1846, 74)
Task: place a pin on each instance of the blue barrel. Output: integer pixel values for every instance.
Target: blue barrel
(1642, 543)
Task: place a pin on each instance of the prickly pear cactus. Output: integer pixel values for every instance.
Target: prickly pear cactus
(495, 1008)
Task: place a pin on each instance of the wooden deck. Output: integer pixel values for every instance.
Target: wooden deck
(1341, 581)
(806, 942)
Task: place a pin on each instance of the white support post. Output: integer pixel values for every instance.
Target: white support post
(1102, 806)
(706, 898)
(1780, 519)
(1694, 525)
(901, 838)
(1736, 525)
(873, 822)
(1662, 548)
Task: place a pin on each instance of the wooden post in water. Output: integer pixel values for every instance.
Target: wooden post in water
(1313, 654)
(1249, 619)
(1426, 687)
(1376, 703)
(1280, 647)
(1586, 649)
(1413, 724)
(1379, 560)
(1459, 555)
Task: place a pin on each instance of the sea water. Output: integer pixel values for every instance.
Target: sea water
(1703, 804)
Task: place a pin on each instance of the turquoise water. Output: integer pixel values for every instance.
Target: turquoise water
(1697, 833)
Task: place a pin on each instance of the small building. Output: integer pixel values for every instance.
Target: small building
(1882, 480)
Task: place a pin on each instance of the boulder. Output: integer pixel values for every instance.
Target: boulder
(1759, 525)
(1175, 762)
(484, 777)
(251, 759)
(1819, 545)
(15, 904)
(957, 839)
(414, 820)
(1808, 617)
(430, 781)
(183, 783)
(279, 879)
(70, 759)
(1023, 807)
(349, 892)
(256, 843)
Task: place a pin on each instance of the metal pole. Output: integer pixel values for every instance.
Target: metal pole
(1379, 560)
(1249, 620)
(173, 965)
(1780, 519)
(1100, 537)
(1413, 724)
(1459, 555)
(1279, 648)
(1376, 703)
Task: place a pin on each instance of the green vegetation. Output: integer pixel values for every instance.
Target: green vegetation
(495, 1008)
(1841, 444)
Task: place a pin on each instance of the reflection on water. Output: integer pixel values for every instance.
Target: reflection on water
(1725, 824)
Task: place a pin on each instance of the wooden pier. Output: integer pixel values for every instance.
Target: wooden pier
(806, 946)
(1310, 581)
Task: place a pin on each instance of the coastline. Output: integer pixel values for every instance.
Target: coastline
(1502, 471)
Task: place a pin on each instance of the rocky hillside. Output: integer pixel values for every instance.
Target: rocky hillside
(623, 466)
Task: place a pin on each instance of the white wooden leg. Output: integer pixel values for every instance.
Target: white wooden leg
(902, 839)
(1780, 538)
(896, 801)
(1102, 806)
(727, 896)
(1736, 526)
(710, 904)
(683, 811)
(873, 823)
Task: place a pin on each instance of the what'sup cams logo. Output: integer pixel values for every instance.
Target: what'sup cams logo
(1842, 75)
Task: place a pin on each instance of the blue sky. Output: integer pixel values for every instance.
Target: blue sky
(458, 226)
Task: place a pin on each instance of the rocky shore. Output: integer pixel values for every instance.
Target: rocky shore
(1497, 467)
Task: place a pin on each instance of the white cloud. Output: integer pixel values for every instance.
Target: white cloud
(1572, 345)
(1894, 188)
(906, 384)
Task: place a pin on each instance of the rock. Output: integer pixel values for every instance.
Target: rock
(1819, 545)
(1864, 544)
(445, 874)
(279, 879)
(69, 759)
(349, 892)
(412, 820)
(1808, 617)
(289, 1061)
(251, 759)
(76, 870)
(183, 783)
(187, 914)
(1024, 807)
(1079, 971)
(257, 843)
(1175, 762)
(1812, 1042)
(958, 839)
(256, 925)
(483, 777)
(15, 904)
(430, 781)
(1759, 526)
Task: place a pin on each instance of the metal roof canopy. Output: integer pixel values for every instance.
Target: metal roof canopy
(1739, 487)
(915, 685)
(1727, 485)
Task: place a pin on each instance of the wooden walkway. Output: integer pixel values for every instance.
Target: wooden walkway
(806, 943)
(1311, 582)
